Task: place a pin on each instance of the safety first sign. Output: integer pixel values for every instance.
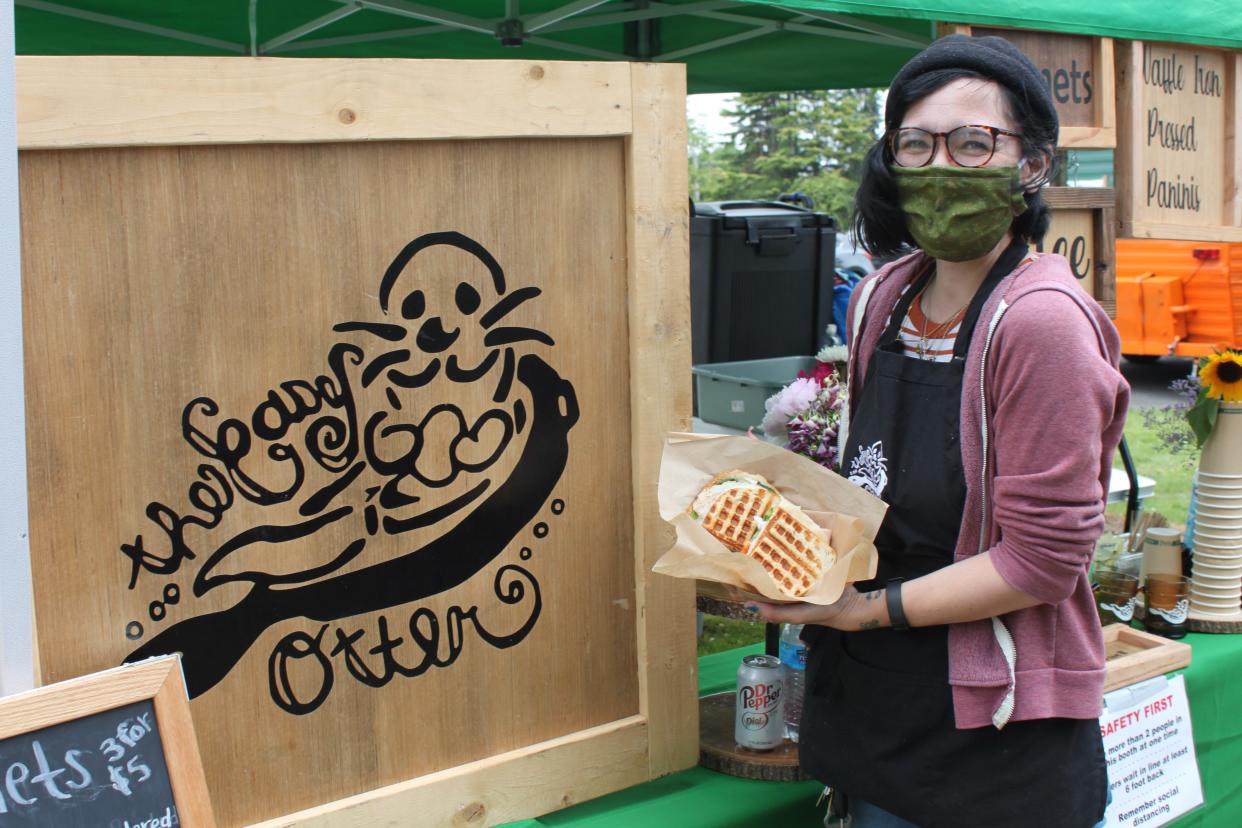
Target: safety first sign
(1150, 748)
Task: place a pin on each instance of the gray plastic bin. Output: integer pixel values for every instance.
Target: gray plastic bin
(732, 393)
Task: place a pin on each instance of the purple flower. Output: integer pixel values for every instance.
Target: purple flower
(807, 415)
(786, 403)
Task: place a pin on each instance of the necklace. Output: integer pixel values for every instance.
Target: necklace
(939, 329)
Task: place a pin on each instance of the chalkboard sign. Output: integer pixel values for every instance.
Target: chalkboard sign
(105, 769)
(110, 750)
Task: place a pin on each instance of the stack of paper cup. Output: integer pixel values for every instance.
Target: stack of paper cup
(1216, 584)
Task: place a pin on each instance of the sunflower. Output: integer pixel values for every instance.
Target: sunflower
(1221, 375)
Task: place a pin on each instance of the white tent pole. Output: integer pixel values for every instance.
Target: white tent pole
(349, 40)
(799, 25)
(541, 21)
(655, 11)
(252, 23)
(427, 13)
(551, 43)
(306, 28)
(16, 617)
(757, 31)
(897, 36)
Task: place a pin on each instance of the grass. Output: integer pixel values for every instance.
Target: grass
(720, 634)
(1172, 471)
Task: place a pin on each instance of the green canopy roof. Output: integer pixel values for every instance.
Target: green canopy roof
(727, 45)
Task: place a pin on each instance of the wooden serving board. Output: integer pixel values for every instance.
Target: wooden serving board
(719, 751)
(1134, 655)
(1200, 622)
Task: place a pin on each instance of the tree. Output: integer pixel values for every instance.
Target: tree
(813, 142)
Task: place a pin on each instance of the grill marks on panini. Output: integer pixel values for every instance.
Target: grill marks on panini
(789, 551)
(751, 517)
(732, 517)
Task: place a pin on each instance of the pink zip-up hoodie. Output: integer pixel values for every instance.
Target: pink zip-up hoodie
(1043, 406)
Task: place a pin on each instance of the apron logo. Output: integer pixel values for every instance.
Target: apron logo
(870, 468)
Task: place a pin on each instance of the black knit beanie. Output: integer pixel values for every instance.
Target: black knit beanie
(992, 57)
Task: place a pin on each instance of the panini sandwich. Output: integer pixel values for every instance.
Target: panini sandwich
(748, 515)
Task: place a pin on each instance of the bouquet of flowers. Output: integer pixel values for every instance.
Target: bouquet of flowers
(806, 414)
(1220, 378)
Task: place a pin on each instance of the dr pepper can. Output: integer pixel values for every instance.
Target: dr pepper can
(759, 722)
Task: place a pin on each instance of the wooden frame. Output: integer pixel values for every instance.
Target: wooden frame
(1130, 170)
(77, 102)
(1102, 202)
(1134, 655)
(1103, 133)
(158, 680)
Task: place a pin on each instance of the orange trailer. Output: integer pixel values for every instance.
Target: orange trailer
(1178, 298)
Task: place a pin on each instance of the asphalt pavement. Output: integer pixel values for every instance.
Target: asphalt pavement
(1149, 384)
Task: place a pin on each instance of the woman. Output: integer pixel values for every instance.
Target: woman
(963, 684)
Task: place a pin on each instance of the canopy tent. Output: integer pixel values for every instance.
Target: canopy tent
(727, 45)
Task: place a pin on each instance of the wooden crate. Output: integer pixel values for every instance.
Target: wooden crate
(1178, 162)
(1080, 76)
(348, 379)
(1134, 655)
(1083, 230)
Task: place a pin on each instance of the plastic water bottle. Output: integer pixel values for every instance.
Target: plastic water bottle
(793, 664)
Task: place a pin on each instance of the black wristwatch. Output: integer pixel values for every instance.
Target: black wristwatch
(896, 613)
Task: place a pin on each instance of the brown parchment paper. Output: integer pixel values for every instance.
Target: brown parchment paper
(851, 515)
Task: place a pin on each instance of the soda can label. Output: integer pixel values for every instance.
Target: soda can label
(760, 721)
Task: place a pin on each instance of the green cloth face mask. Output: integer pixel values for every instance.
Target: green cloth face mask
(958, 213)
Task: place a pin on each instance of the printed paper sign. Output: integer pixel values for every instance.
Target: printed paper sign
(1148, 741)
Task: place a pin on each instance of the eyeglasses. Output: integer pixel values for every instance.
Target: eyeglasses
(972, 145)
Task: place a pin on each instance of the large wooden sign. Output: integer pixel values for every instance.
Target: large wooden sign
(115, 748)
(1078, 70)
(365, 425)
(1178, 165)
(1083, 231)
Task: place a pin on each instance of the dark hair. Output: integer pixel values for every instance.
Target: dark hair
(880, 225)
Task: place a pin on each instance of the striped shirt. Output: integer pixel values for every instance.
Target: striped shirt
(939, 348)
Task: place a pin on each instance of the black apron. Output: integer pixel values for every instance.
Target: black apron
(877, 722)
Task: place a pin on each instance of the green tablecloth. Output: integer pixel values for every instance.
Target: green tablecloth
(699, 798)
(1214, 686)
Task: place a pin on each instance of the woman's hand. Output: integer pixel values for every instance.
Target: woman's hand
(853, 611)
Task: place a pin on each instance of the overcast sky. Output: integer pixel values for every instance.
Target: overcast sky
(705, 110)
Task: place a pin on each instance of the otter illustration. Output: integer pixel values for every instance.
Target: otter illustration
(367, 425)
